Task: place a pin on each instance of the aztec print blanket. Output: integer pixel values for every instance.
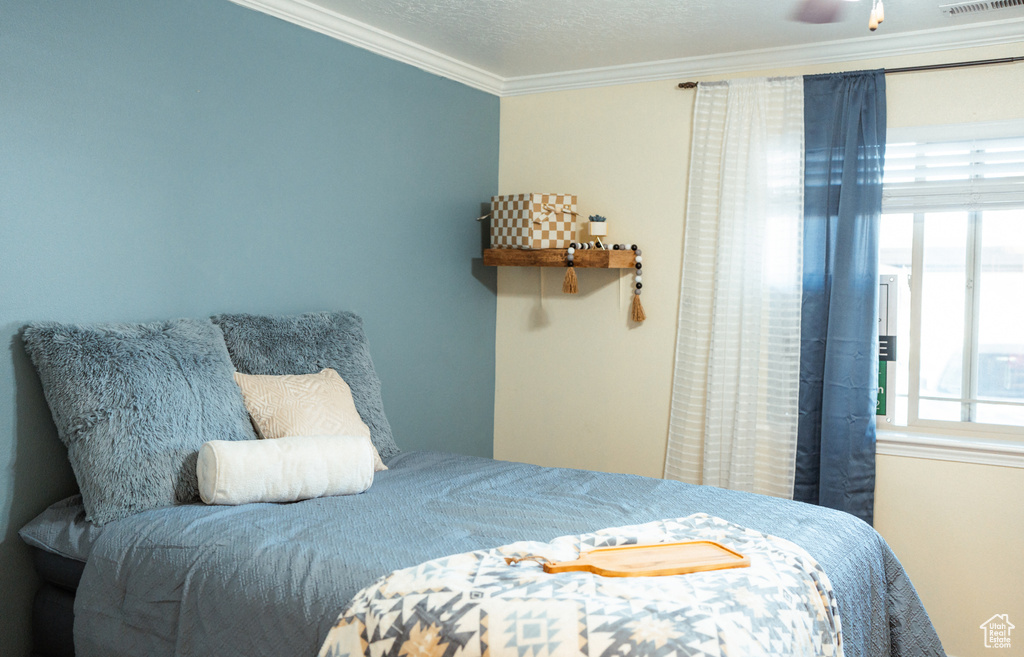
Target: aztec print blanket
(476, 605)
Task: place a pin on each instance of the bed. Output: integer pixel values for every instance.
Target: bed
(270, 579)
(138, 404)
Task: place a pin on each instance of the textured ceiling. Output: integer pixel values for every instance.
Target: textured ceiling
(512, 38)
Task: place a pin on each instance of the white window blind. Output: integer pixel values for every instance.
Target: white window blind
(925, 172)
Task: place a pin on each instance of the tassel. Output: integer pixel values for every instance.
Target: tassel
(569, 285)
(638, 314)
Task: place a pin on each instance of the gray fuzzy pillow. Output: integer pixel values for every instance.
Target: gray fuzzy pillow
(133, 403)
(306, 344)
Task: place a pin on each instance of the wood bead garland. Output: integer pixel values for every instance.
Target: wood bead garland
(570, 284)
(637, 313)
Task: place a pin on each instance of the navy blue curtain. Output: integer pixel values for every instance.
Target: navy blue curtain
(844, 135)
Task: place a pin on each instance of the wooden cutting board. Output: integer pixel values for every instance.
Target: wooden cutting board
(654, 560)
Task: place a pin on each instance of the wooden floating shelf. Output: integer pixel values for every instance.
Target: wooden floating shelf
(591, 258)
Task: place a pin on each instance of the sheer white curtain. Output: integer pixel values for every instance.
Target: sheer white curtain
(736, 383)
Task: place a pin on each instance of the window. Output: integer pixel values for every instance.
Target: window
(951, 248)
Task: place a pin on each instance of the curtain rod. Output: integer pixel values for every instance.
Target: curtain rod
(928, 67)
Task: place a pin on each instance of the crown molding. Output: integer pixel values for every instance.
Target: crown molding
(311, 16)
(848, 50)
(1003, 453)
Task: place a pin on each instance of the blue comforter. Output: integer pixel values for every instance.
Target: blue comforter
(270, 579)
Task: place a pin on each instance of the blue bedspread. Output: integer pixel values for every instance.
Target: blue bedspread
(266, 579)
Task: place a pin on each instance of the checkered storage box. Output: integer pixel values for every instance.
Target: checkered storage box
(533, 221)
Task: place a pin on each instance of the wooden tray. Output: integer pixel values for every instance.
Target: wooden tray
(654, 560)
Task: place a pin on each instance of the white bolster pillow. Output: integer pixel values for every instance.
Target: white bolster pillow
(284, 469)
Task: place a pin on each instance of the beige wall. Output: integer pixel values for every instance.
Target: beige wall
(958, 528)
(579, 385)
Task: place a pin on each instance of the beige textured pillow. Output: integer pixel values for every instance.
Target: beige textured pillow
(303, 405)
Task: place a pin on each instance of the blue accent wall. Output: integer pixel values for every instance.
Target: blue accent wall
(179, 159)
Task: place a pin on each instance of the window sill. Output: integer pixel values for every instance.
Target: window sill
(1005, 453)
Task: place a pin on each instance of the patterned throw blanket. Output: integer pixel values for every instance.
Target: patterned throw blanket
(476, 605)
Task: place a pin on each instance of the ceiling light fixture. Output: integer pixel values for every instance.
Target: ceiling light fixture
(877, 15)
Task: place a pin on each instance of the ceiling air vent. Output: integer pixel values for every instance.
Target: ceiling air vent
(976, 7)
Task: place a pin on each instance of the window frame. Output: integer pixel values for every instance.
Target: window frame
(966, 426)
